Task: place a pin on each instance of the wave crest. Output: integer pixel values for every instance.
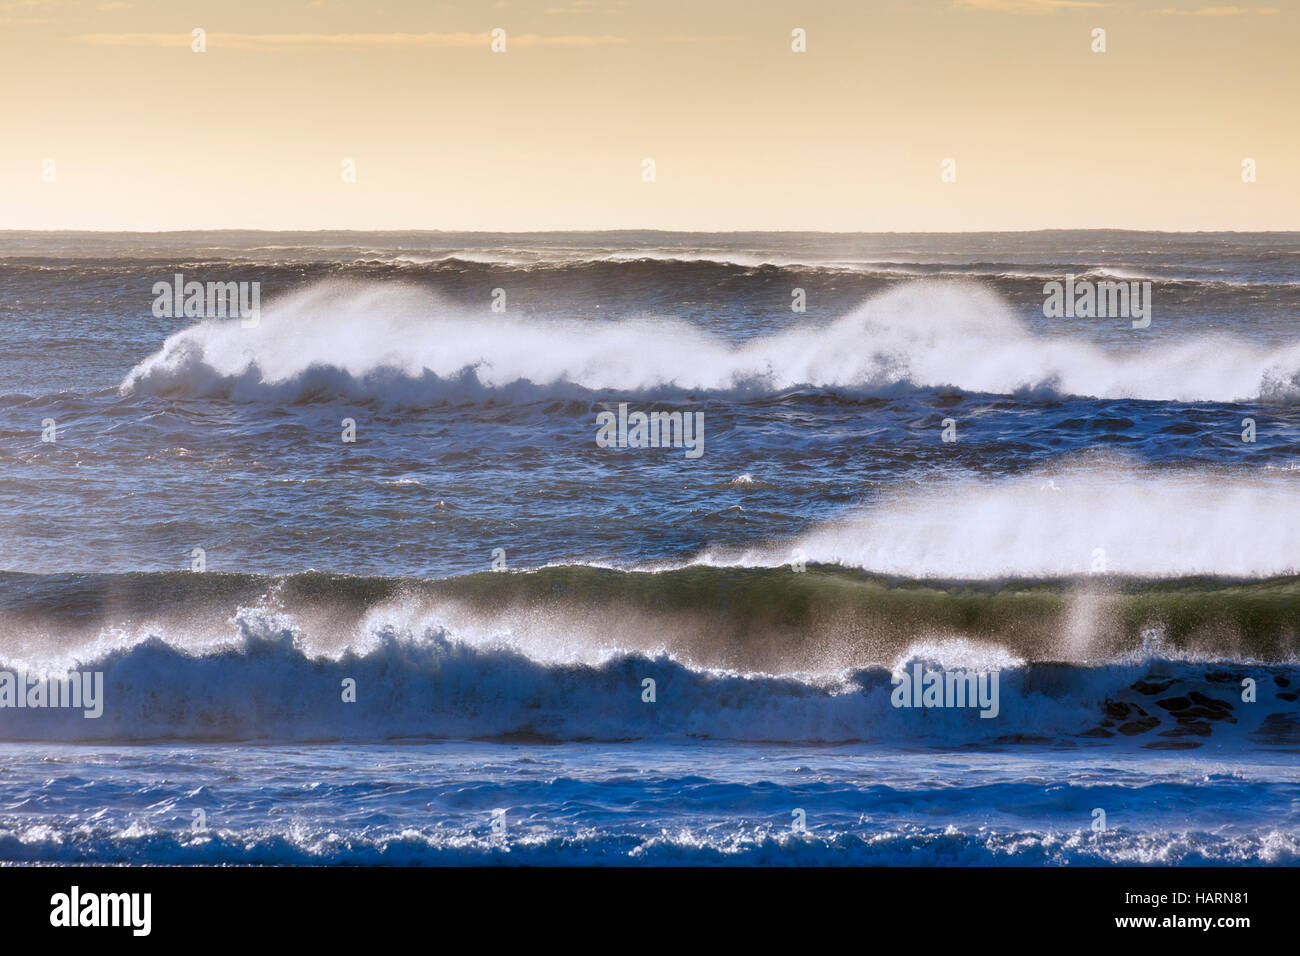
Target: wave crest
(401, 345)
(265, 686)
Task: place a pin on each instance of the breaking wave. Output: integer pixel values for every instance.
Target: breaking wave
(1101, 514)
(404, 346)
(263, 685)
(564, 654)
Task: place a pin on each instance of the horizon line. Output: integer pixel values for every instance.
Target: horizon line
(772, 231)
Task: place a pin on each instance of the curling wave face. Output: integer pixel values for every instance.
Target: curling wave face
(532, 657)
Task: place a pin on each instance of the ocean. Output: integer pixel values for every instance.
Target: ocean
(642, 548)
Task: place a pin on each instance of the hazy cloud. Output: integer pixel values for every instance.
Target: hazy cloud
(1028, 6)
(1217, 12)
(280, 41)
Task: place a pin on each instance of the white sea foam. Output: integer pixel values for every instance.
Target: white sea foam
(1102, 516)
(396, 343)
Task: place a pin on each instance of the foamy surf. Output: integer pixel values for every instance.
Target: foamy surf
(710, 804)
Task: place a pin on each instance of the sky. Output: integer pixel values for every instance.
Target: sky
(110, 120)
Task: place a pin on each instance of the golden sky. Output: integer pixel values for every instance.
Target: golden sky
(146, 134)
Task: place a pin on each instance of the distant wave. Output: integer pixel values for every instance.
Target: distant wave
(1097, 514)
(403, 346)
(668, 264)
